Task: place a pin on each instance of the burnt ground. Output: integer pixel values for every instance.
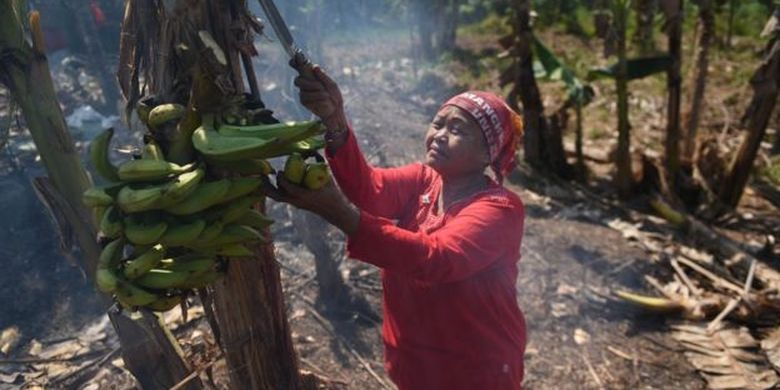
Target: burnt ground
(578, 337)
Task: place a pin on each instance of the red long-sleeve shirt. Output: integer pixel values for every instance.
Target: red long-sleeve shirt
(451, 319)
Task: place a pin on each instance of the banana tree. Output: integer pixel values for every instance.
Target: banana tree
(645, 24)
(766, 85)
(543, 141)
(707, 32)
(673, 12)
(579, 94)
(149, 350)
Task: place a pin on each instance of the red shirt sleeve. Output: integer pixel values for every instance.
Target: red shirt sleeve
(382, 192)
(479, 235)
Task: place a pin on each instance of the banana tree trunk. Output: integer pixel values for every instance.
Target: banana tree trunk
(765, 84)
(543, 143)
(645, 23)
(673, 84)
(25, 71)
(707, 31)
(623, 179)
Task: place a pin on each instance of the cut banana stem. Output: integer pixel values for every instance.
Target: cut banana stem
(652, 303)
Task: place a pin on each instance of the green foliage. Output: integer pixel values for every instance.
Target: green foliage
(549, 67)
(637, 68)
(492, 24)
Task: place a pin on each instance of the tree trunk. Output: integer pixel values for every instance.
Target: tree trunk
(581, 169)
(645, 23)
(673, 84)
(623, 179)
(765, 89)
(313, 230)
(730, 28)
(255, 335)
(526, 88)
(424, 21)
(26, 73)
(449, 26)
(707, 30)
(89, 33)
(542, 143)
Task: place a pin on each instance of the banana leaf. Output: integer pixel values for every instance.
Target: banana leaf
(548, 67)
(637, 68)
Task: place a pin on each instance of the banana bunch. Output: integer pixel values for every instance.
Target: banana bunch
(174, 227)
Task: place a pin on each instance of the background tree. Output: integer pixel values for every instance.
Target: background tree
(644, 39)
(765, 84)
(673, 10)
(706, 23)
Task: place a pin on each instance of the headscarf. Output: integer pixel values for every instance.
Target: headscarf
(502, 127)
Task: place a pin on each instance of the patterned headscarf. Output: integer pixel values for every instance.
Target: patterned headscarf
(502, 127)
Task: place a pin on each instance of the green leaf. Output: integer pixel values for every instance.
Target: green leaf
(549, 67)
(637, 68)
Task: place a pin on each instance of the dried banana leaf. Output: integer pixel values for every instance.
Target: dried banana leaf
(771, 346)
(728, 358)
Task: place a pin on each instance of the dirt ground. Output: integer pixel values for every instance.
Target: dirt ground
(578, 337)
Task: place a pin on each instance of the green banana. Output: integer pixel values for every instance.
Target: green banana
(317, 176)
(241, 186)
(131, 295)
(111, 223)
(233, 234)
(305, 147)
(254, 219)
(106, 280)
(98, 152)
(132, 198)
(181, 187)
(165, 303)
(204, 196)
(232, 211)
(217, 147)
(266, 131)
(153, 151)
(164, 113)
(96, 196)
(194, 264)
(98, 213)
(294, 168)
(144, 262)
(201, 280)
(234, 250)
(111, 254)
(109, 259)
(211, 231)
(161, 279)
(246, 167)
(144, 231)
(182, 233)
(144, 170)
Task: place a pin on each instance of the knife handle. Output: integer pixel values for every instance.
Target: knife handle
(302, 64)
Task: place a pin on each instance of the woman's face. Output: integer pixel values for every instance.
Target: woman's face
(455, 145)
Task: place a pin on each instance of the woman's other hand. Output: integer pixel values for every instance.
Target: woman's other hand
(328, 202)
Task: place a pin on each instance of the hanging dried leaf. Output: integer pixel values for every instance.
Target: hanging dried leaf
(728, 358)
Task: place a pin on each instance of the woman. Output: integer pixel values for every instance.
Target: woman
(446, 236)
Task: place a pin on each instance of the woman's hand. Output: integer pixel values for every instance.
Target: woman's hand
(327, 202)
(320, 94)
